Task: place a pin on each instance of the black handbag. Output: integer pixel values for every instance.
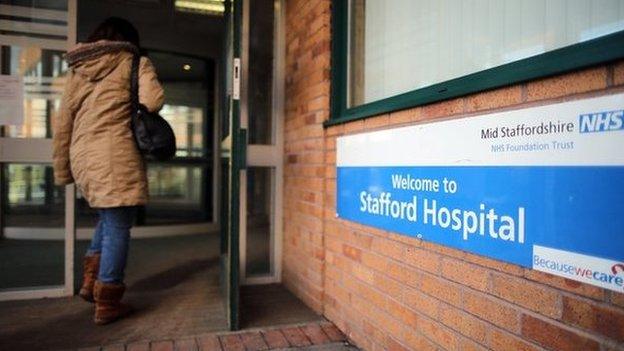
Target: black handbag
(153, 134)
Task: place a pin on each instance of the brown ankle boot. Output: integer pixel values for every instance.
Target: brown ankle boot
(90, 268)
(108, 307)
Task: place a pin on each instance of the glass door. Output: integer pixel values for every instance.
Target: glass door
(36, 217)
(233, 152)
(261, 114)
(251, 148)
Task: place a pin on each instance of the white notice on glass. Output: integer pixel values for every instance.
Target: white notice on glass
(11, 100)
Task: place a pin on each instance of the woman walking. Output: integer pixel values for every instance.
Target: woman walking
(94, 146)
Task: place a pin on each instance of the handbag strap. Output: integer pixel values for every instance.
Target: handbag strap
(134, 84)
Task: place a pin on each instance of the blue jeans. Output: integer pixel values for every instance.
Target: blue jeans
(111, 240)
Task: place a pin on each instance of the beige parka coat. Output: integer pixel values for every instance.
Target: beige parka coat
(93, 141)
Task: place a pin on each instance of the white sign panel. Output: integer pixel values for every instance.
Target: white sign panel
(567, 133)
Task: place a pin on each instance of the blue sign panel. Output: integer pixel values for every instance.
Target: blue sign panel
(500, 212)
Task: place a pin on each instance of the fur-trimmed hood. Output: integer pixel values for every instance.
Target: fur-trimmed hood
(96, 60)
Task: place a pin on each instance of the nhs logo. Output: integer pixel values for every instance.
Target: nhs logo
(602, 121)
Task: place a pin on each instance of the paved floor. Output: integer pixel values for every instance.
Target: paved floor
(316, 336)
(173, 283)
(272, 305)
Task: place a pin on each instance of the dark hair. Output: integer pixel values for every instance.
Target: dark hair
(115, 29)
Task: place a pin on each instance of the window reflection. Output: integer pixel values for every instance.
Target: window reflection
(399, 46)
(179, 183)
(31, 242)
(32, 198)
(259, 224)
(178, 194)
(181, 191)
(32, 246)
(44, 78)
(187, 124)
(260, 77)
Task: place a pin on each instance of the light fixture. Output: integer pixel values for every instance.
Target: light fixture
(186, 67)
(205, 7)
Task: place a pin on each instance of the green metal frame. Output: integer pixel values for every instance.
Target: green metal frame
(231, 164)
(592, 52)
(239, 144)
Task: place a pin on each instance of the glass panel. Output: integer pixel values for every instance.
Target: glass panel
(260, 75)
(187, 124)
(402, 45)
(179, 194)
(188, 85)
(32, 231)
(44, 77)
(259, 220)
(32, 237)
(224, 200)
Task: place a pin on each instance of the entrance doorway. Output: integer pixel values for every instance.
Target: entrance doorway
(173, 269)
(209, 242)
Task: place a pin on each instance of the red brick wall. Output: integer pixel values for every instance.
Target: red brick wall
(388, 291)
(307, 106)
